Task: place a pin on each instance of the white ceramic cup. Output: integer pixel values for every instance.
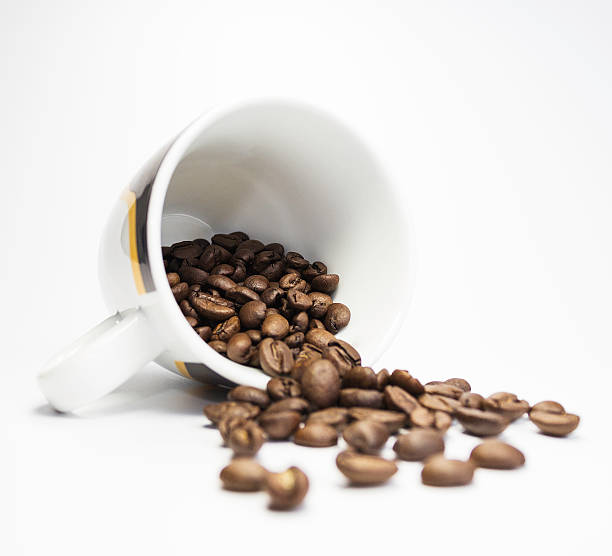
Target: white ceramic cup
(279, 170)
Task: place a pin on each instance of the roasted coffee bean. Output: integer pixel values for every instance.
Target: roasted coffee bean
(277, 248)
(506, 404)
(548, 407)
(471, 399)
(241, 294)
(554, 424)
(173, 279)
(439, 471)
(193, 322)
(287, 489)
(320, 303)
(252, 245)
(356, 397)
(212, 256)
(443, 389)
(319, 337)
(273, 271)
(226, 329)
(481, 423)
(180, 291)
(365, 469)
(275, 357)
(300, 405)
(186, 250)
(442, 421)
(223, 270)
(298, 301)
(280, 425)
(187, 309)
(359, 377)
(220, 282)
(218, 346)
(397, 398)
(194, 288)
(227, 424)
(419, 444)
(321, 383)
(249, 394)
(316, 435)
(246, 440)
(275, 326)
(393, 420)
(313, 270)
(342, 354)
(243, 475)
(299, 322)
(265, 258)
(366, 436)
(336, 417)
(295, 260)
(459, 383)
(326, 283)
(289, 281)
(405, 380)
(166, 252)
(439, 403)
(211, 310)
(493, 454)
(308, 353)
(227, 241)
(204, 332)
(241, 236)
(257, 283)
(382, 379)
(255, 335)
(337, 317)
(422, 417)
(295, 340)
(282, 388)
(244, 255)
(285, 310)
(193, 275)
(217, 411)
(252, 314)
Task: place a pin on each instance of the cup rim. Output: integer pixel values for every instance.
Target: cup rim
(170, 310)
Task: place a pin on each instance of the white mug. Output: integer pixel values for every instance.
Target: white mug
(278, 170)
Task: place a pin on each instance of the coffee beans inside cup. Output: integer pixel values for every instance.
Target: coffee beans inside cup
(273, 310)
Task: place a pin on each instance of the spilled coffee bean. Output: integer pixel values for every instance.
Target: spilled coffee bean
(493, 454)
(364, 469)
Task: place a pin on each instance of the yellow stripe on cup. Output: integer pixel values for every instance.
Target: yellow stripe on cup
(130, 198)
(182, 369)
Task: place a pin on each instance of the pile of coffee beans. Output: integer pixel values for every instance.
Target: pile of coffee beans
(256, 304)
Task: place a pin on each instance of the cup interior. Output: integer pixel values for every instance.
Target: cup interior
(289, 173)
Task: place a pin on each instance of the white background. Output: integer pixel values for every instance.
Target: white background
(496, 118)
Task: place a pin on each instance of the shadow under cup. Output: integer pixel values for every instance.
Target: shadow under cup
(291, 174)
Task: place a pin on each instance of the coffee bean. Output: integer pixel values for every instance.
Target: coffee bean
(273, 271)
(316, 435)
(299, 322)
(275, 326)
(255, 335)
(180, 291)
(204, 332)
(392, 420)
(212, 310)
(218, 346)
(275, 357)
(405, 380)
(366, 436)
(227, 241)
(193, 275)
(471, 399)
(439, 403)
(336, 417)
(459, 383)
(295, 340)
(554, 424)
(280, 425)
(252, 245)
(481, 423)
(365, 469)
(321, 383)
(356, 397)
(187, 309)
(419, 444)
(277, 248)
(192, 321)
(316, 324)
(243, 475)
(422, 417)
(174, 279)
(548, 407)
(493, 454)
(289, 404)
(186, 250)
(223, 270)
(443, 389)
(337, 317)
(249, 394)
(252, 314)
(241, 294)
(257, 283)
(298, 300)
(382, 379)
(313, 270)
(397, 398)
(326, 283)
(226, 329)
(287, 489)
(320, 303)
(282, 388)
(295, 260)
(439, 471)
(442, 421)
(289, 281)
(227, 424)
(212, 256)
(506, 404)
(308, 353)
(220, 282)
(342, 354)
(319, 337)
(215, 412)
(246, 440)
(359, 377)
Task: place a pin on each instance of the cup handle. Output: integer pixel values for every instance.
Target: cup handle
(99, 361)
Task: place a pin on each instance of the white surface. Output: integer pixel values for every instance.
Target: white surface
(496, 118)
